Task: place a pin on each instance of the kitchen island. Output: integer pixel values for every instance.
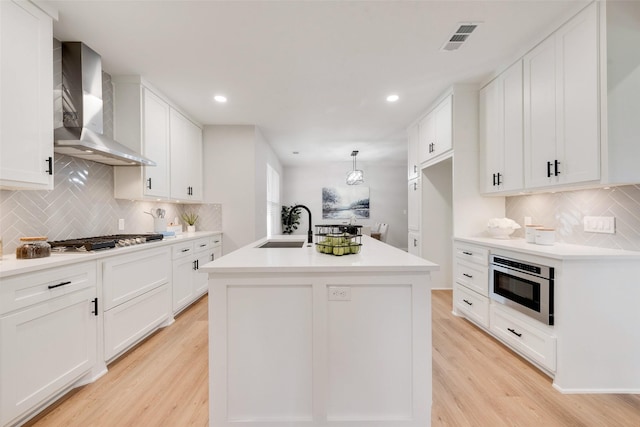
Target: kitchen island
(301, 338)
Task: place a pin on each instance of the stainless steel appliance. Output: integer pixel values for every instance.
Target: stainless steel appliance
(87, 244)
(523, 286)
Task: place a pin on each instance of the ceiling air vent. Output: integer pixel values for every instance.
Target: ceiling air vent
(459, 36)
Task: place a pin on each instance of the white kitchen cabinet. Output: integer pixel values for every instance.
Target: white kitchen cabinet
(137, 297)
(413, 164)
(471, 287)
(561, 105)
(186, 159)
(413, 243)
(413, 204)
(536, 343)
(48, 329)
(141, 122)
(435, 131)
(501, 133)
(26, 84)
(188, 283)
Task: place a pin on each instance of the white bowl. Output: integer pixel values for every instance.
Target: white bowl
(500, 233)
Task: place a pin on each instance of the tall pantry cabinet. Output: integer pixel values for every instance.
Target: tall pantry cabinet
(448, 201)
(413, 192)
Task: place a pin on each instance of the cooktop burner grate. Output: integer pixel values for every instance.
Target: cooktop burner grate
(86, 244)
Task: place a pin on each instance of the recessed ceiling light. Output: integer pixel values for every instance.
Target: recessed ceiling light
(220, 98)
(393, 98)
(296, 152)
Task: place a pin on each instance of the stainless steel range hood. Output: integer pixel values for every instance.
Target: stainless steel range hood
(82, 132)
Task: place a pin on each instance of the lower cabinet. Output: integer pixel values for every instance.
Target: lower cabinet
(534, 342)
(48, 330)
(471, 305)
(137, 294)
(188, 283)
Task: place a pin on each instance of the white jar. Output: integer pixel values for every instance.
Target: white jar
(545, 236)
(530, 232)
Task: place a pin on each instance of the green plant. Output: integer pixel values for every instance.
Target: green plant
(288, 228)
(189, 217)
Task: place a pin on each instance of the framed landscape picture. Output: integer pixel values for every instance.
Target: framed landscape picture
(345, 202)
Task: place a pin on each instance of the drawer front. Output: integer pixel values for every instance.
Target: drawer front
(125, 277)
(471, 305)
(182, 250)
(32, 288)
(473, 254)
(126, 324)
(473, 276)
(216, 240)
(202, 244)
(534, 343)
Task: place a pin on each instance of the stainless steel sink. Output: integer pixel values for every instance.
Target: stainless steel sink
(281, 244)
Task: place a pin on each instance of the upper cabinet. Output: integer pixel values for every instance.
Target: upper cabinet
(26, 84)
(435, 136)
(580, 98)
(147, 123)
(142, 123)
(561, 106)
(186, 159)
(501, 112)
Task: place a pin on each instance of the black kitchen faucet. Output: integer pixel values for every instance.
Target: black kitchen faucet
(309, 232)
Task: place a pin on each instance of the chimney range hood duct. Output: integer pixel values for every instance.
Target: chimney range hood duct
(81, 135)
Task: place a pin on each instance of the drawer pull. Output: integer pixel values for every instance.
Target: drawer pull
(514, 332)
(58, 285)
(203, 245)
(185, 250)
(469, 303)
(467, 275)
(467, 253)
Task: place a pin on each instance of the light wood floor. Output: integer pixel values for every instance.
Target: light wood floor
(477, 382)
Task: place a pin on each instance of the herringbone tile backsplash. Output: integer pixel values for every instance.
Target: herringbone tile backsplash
(82, 205)
(565, 211)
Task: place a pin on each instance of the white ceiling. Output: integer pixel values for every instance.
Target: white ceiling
(312, 75)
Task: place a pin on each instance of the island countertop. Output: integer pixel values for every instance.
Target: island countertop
(374, 256)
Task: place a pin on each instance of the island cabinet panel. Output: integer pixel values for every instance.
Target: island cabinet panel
(375, 315)
(320, 349)
(277, 385)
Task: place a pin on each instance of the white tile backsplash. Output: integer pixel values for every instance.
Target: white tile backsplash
(565, 212)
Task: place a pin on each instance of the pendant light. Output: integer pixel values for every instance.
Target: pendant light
(356, 176)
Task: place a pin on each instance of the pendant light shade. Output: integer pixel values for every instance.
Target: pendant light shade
(356, 176)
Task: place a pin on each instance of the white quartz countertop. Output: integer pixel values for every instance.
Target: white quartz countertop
(10, 266)
(563, 251)
(374, 256)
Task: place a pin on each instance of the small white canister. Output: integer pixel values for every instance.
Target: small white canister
(545, 236)
(530, 232)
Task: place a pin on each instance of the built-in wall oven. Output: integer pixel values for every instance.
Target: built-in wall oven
(523, 286)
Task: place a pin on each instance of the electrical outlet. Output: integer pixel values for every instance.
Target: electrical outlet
(600, 224)
(339, 293)
(121, 224)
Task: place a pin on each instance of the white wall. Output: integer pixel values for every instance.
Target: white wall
(387, 185)
(235, 159)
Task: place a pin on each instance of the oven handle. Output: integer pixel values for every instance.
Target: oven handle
(516, 273)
